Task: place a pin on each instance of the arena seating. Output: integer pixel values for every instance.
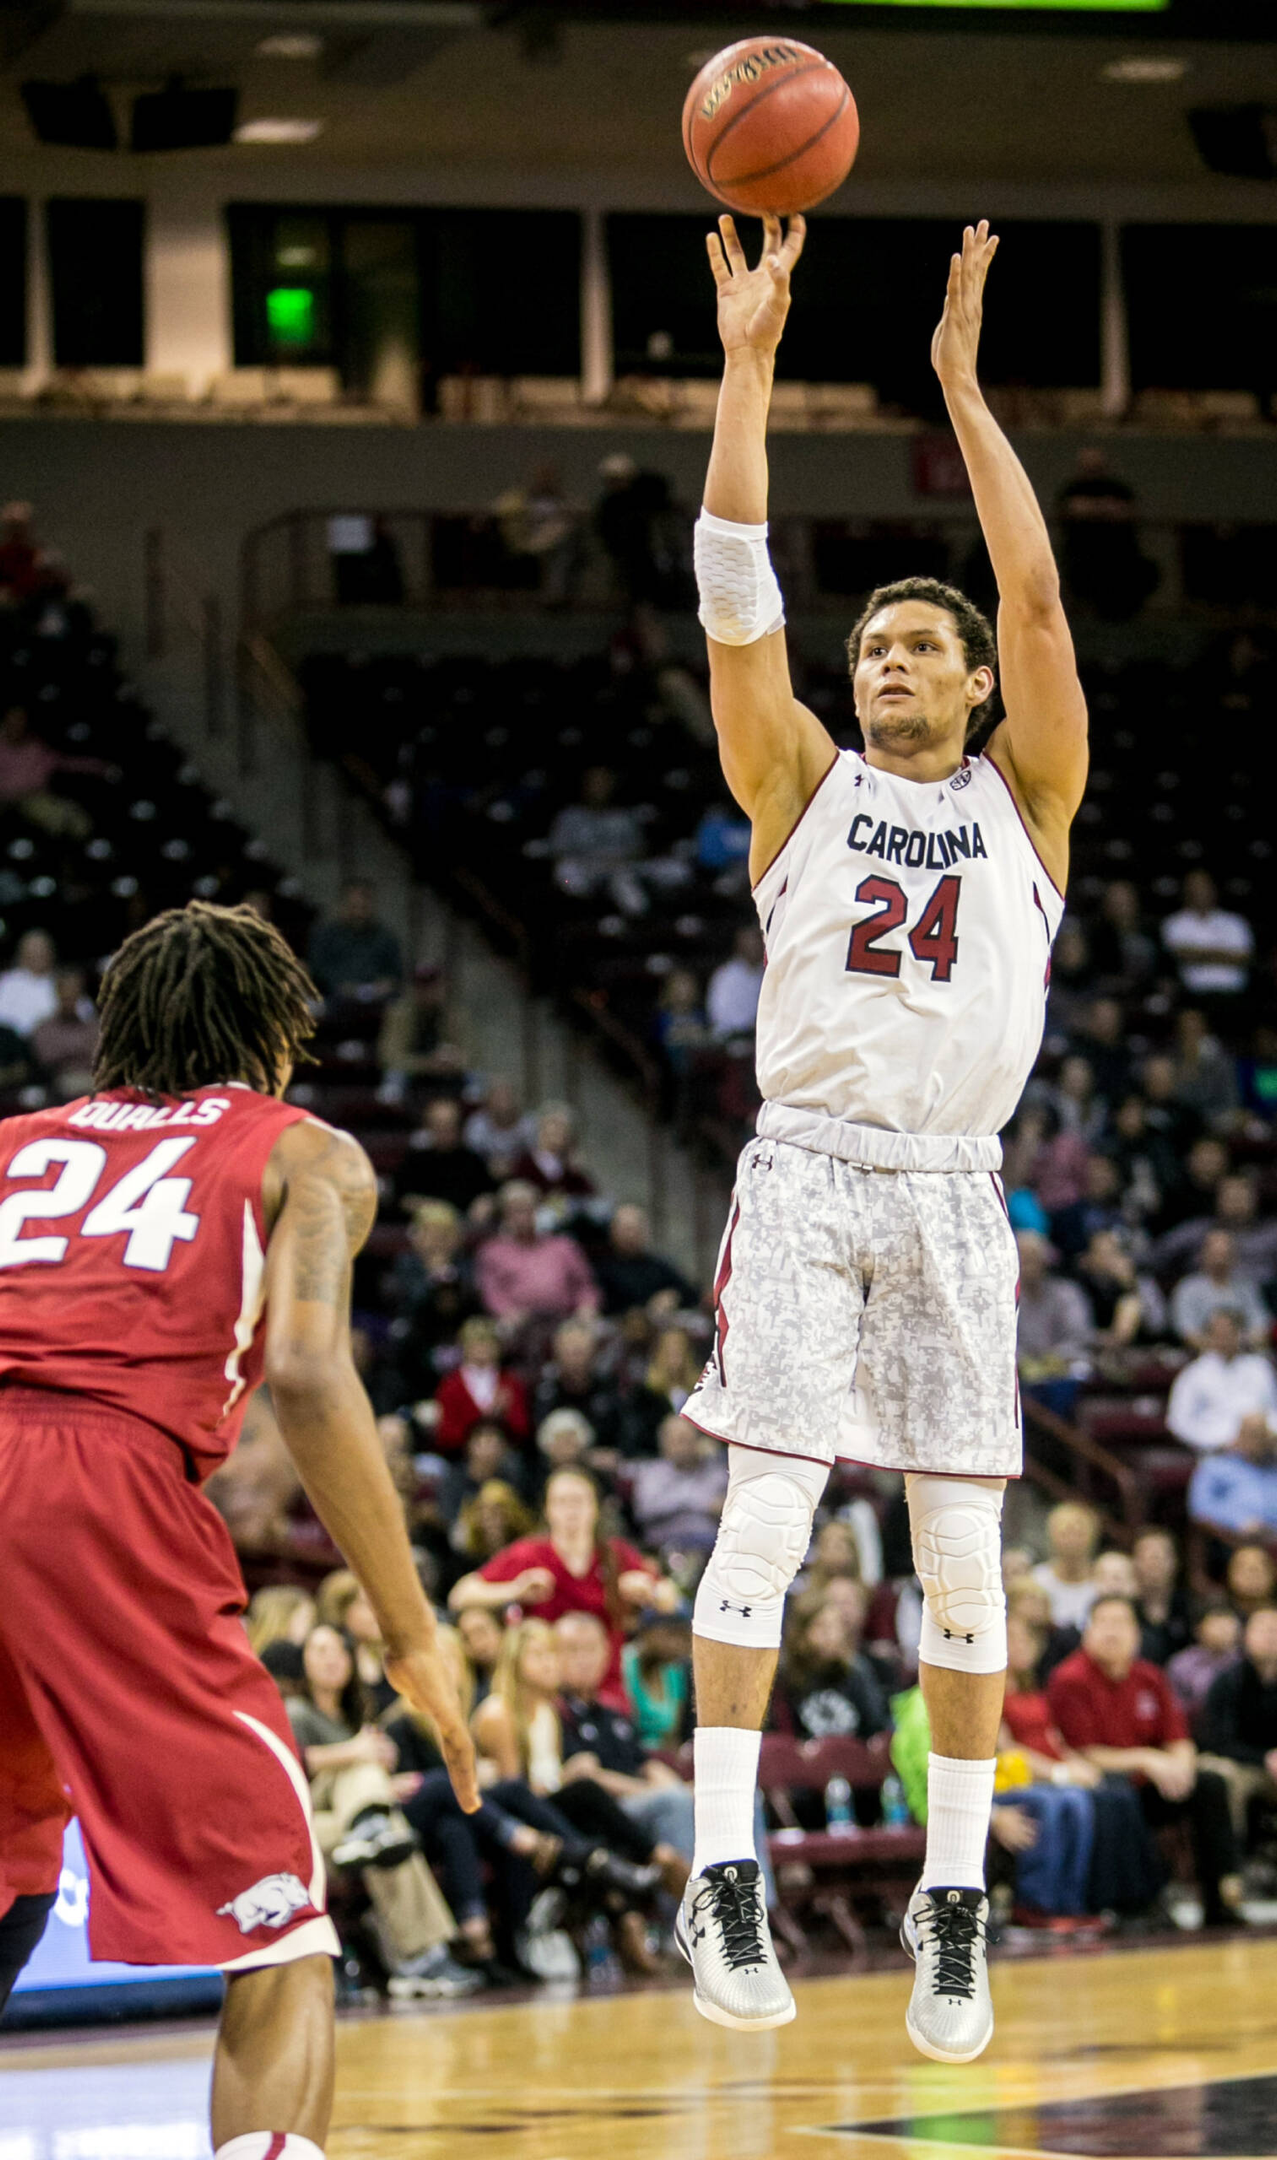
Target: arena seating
(149, 834)
(408, 726)
(470, 760)
(832, 1873)
(143, 832)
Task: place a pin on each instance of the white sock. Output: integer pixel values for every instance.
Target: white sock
(959, 1803)
(726, 1773)
(269, 2145)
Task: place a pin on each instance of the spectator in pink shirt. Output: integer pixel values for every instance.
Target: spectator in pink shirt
(522, 1275)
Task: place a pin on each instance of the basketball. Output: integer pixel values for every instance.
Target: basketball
(770, 125)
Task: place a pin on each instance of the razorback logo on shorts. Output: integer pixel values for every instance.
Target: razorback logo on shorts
(269, 1903)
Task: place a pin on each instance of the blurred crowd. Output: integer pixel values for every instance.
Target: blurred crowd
(530, 1354)
(1140, 1180)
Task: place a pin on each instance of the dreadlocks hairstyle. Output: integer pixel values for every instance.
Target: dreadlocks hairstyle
(202, 994)
(975, 631)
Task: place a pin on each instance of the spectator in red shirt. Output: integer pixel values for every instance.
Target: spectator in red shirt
(1027, 1721)
(1069, 1800)
(571, 1568)
(478, 1389)
(1121, 1712)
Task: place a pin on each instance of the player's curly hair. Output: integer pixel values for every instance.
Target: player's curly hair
(979, 645)
(200, 995)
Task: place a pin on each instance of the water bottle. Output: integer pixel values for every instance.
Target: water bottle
(601, 1968)
(838, 1806)
(895, 1808)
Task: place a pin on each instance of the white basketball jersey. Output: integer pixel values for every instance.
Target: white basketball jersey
(908, 927)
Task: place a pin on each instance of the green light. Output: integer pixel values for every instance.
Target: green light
(1074, 7)
(290, 314)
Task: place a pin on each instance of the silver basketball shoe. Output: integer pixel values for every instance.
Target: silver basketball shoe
(722, 1931)
(950, 2014)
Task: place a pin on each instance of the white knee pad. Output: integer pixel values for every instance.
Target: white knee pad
(957, 1550)
(762, 1541)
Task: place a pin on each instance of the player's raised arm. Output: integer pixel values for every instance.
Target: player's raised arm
(329, 1200)
(774, 752)
(1041, 745)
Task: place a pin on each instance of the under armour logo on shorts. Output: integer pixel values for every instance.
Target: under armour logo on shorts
(745, 1611)
(948, 1636)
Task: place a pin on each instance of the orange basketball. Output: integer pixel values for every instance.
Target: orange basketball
(770, 125)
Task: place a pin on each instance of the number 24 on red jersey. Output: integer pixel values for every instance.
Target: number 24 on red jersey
(146, 1205)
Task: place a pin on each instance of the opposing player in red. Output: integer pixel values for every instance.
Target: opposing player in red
(164, 1243)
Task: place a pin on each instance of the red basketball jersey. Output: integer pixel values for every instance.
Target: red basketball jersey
(132, 1255)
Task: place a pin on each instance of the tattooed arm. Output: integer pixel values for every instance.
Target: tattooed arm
(321, 1196)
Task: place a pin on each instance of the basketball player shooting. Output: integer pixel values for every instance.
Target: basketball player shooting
(866, 1290)
(164, 1243)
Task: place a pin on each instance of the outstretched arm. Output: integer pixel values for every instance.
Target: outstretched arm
(328, 1199)
(774, 752)
(1041, 746)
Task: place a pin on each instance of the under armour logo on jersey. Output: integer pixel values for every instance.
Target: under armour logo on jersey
(745, 1611)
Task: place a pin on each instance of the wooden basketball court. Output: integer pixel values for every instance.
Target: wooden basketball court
(1158, 2053)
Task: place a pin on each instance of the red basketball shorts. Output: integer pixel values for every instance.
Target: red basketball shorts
(33, 1807)
(126, 1677)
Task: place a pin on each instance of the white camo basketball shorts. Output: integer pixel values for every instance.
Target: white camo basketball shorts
(865, 1314)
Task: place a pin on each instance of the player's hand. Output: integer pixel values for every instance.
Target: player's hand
(957, 339)
(422, 1677)
(753, 304)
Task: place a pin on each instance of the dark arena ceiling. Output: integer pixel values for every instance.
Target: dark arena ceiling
(1054, 95)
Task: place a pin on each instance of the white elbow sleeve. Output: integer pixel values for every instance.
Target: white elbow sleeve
(740, 598)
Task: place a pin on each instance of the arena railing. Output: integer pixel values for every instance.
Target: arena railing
(1082, 1467)
(249, 712)
(626, 1052)
(1209, 571)
(180, 606)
